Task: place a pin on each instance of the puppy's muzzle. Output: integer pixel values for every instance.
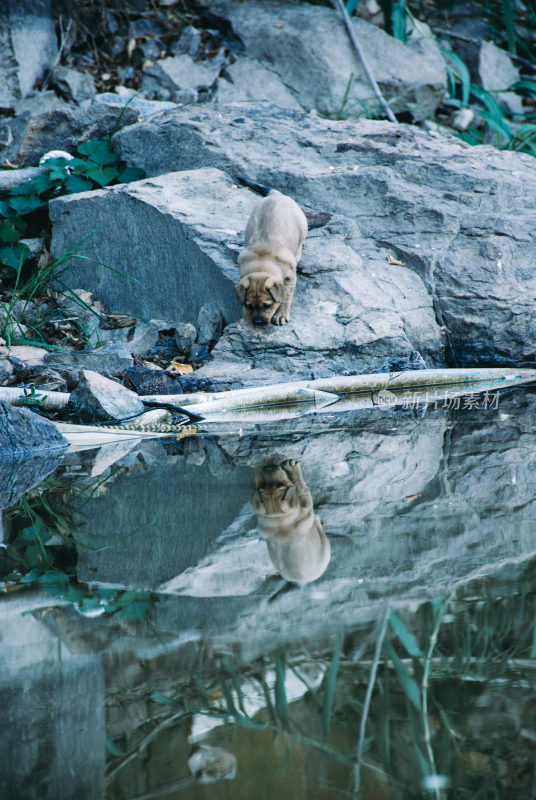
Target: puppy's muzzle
(255, 320)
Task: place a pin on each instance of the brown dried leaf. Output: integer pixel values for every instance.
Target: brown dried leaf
(395, 261)
(176, 368)
(411, 497)
(121, 320)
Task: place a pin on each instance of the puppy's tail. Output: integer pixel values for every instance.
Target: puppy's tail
(259, 188)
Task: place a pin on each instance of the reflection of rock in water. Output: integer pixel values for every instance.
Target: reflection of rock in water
(296, 540)
(53, 737)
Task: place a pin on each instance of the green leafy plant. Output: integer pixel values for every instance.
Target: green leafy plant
(97, 167)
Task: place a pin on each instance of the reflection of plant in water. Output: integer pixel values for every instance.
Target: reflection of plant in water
(42, 550)
(406, 705)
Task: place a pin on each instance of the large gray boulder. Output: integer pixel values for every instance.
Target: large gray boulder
(28, 45)
(177, 236)
(182, 233)
(26, 137)
(462, 218)
(309, 48)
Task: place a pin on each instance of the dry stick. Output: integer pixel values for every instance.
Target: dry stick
(166, 723)
(63, 40)
(368, 697)
(377, 91)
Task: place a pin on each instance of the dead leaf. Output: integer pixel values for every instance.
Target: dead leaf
(152, 365)
(176, 368)
(394, 261)
(412, 497)
(120, 320)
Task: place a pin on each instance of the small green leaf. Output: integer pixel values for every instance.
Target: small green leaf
(5, 210)
(53, 576)
(75, 184)
(407, 639)
(351, 6)
(9, 232)
(22, 189)
(14, 256)
(102, 176)
(131, 174)
(25, 204)
(98, 151)
(55, 163)
(43, 183)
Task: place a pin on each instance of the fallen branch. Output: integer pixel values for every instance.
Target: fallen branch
(357, 47)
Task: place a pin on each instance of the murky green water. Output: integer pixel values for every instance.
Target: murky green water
(345, 605)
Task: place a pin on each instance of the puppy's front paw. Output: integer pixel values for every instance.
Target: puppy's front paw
(279, 318)
(293, 470)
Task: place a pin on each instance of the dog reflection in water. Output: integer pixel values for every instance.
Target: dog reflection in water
(296, 541)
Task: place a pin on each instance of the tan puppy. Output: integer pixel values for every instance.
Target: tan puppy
(297, 544)
(275, 234)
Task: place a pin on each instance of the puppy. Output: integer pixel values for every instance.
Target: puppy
(297, 544)
(275, 234)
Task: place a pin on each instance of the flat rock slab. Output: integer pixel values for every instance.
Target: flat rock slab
(309, 48)
(461, 217)
(182, 233)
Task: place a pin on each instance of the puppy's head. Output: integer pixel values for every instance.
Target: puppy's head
(275, 492)
(260, 295)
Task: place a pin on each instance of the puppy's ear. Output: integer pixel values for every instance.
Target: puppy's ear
(275, 289)
(242, 289)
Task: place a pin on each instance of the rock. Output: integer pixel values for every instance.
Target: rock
(170, 78)
(97, 399)
(6, 370)
(111, 359)
(209, 325)
(28, 45)
(309, 48)
(75, 86)
(189, 42)
(194, 219)
(145, 108)
(40, 102)
(185, 336)
(246, 79)
(41, 377)
(145, 381)
(139, 338)
(462, 218)
(496, 74)
(24, 434)
(28, 137)
(27, 354)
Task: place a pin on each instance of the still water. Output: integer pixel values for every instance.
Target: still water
(332, 606)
